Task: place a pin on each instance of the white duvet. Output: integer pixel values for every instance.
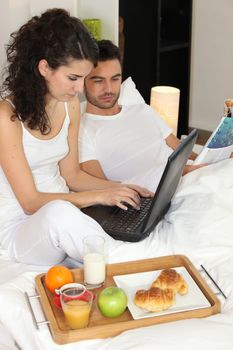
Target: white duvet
(199, 224)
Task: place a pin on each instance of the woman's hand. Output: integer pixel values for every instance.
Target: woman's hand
(143, 192)
(123, 195)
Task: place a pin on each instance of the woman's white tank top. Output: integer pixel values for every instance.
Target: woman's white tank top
(43, 157)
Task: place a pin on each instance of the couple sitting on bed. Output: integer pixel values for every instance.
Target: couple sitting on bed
(42, 187)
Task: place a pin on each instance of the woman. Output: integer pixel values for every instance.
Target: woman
(41, 185)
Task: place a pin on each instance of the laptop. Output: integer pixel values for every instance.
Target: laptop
(134, 225)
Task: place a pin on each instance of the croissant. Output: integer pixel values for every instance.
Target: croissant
(155, 299)
(171, 279)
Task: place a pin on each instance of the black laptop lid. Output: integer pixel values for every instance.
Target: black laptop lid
(169, 181)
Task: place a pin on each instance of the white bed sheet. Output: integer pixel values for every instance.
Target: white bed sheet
(199, 225)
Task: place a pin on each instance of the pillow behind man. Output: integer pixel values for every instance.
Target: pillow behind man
(129, 95)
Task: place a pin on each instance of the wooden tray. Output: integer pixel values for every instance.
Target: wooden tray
(102, 327)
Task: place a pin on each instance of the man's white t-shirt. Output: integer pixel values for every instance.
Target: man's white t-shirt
(130, 145)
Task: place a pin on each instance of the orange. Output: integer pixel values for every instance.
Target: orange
(57, 276)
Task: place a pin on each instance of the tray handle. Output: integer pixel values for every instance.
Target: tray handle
(28, 299)
(220, 292)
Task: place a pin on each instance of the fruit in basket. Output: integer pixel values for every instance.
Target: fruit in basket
(57, 276)
(112, 301)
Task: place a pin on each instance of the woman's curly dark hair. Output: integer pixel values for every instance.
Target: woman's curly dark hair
(54, 36)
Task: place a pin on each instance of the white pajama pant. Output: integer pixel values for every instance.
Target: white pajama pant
(53, 232)
(57, 230)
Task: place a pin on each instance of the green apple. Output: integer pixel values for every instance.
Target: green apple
(112, 301)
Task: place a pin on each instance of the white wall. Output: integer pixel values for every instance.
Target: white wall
(13, 14)
(212, 61)
(39, 6)
(107, 11)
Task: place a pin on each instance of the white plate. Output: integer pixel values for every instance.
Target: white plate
(130, 283)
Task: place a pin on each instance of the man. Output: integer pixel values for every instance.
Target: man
(121, 143)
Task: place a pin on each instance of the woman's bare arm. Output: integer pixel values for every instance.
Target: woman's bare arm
(19, 175)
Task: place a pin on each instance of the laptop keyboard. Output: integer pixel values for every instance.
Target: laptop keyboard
(127, 220)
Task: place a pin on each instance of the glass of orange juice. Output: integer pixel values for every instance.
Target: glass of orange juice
(76, 302)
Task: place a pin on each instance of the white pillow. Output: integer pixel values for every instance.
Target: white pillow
(129, 95)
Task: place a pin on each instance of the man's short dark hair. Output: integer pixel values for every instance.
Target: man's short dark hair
(108, 51)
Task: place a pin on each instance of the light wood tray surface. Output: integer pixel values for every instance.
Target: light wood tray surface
(102, 327)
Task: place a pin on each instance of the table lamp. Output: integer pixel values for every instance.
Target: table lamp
(165, 101)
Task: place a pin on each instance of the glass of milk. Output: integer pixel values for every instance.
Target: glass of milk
(94, 261)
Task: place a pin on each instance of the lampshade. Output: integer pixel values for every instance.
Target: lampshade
(165, 101)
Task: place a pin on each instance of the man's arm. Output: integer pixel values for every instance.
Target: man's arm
(173, 142)
(93, 167)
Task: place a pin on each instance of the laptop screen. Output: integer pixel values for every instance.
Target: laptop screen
(169, 181)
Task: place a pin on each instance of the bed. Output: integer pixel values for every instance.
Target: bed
(199, 225)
